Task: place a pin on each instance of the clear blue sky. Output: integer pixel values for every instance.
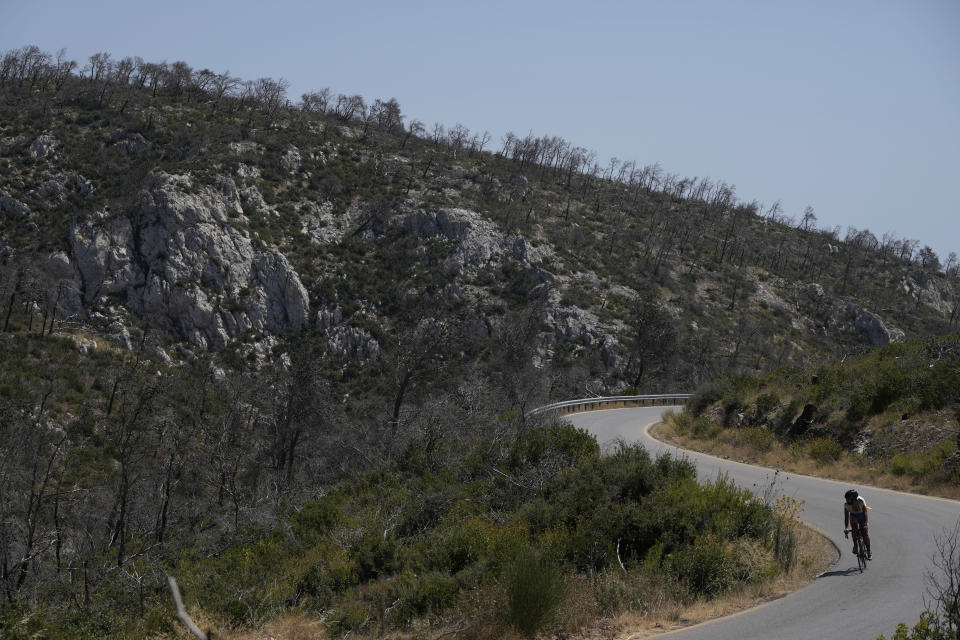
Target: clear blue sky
(851, 107)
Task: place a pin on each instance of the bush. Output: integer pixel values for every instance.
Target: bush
(352, 616)
(757, 438)
(315, 518)
(682, 422)
(825, 450)
(415, 596)
(922, 464)
(535, 589)
(702, 399)
(706, 567)
(704, 429)
(613, 593)
(765, 403)
(732, 406)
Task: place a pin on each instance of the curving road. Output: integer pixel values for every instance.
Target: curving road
(842, 602)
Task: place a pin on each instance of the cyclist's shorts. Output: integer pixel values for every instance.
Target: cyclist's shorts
(858, 517)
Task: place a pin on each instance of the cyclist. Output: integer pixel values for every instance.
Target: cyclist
(855, 517)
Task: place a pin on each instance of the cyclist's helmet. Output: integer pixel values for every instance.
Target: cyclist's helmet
(851, 494)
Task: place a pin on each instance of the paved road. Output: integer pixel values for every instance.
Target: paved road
(842, 603)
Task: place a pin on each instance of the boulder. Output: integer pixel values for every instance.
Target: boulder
(872, 327)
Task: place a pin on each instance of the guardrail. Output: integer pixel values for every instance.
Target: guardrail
(611, 402)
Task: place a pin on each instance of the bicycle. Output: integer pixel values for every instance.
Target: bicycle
(859, 549)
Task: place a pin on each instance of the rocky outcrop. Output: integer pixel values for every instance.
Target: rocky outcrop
(56, 188)
(291, 159)
(570, 323)
(132, 144)
(44, 146)
(318, 222)
(872, 327)
(479, 241)
(352, 342)
(176, 257)
(10, 206)
(932, 290)
(246, 148)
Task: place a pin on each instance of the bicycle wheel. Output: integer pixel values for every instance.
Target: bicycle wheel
(861, 554)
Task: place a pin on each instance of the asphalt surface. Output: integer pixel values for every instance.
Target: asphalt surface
(842, 602)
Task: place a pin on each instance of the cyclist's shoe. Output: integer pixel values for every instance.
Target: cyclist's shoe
(869, 555)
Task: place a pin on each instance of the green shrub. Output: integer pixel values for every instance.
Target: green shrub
(534, 589)
(757, 438)
(732, 406)
(324, 582)
(825, 450)
(352, 616)
(765, 403)
(702, 399)
(926, 463)
(706, 567)
(682, 422)
(414, 596)
(704, 429)
(375, 555)
(315, 518)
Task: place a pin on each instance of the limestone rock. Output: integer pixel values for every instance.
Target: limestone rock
(932, 290)
(10, 206)
(252, 197)
(327, 318)
(84, 186)
(248, 172)
(318, 222)
(175, 256)
(352, 342)
(291, 159)
(872, 327)
(44, 146)
(132, 144)
(53, 191)
(479, 241)
(246, 148)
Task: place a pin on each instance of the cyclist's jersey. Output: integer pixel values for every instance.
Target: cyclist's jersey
(857, 510)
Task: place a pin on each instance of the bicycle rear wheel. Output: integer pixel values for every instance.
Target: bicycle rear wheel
(861, 554)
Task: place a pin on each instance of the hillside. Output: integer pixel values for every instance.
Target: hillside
(219, 219)
(889, 417)
(287, 351)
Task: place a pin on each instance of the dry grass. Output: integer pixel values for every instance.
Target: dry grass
(848, 468)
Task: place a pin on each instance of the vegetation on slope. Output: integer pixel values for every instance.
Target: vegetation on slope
(166, 471)
(889, 416)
